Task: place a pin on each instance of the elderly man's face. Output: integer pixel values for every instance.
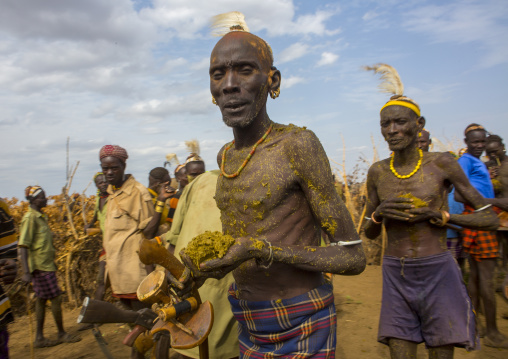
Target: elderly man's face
(113, 168)
(239, 73)
(400, 126)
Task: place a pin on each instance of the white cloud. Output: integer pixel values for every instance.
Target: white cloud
(277, 17)
(369, 15)
(327, 58)
(463, 22)
(293, 52)
(291, 81)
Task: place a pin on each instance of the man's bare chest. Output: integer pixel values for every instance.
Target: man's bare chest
(427, 185)
(265, 181)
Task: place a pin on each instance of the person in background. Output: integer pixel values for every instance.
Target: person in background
(38, 263)
(8, 271)
(482, 246)
(424, 141)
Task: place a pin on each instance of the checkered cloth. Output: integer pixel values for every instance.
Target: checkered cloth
(479, 244)
(45, 284)
(300, 327)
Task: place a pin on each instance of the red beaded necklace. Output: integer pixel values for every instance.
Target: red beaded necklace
(246, 160)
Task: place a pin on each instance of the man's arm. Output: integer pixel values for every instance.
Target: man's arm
(26, 235)
(483, 220)
(151, 229)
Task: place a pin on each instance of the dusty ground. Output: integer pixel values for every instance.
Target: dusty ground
(358, 304)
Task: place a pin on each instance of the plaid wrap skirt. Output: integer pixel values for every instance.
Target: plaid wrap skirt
(479, 244)
(300, 327)
(45, 284)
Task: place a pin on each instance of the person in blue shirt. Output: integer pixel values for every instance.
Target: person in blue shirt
(482, 246)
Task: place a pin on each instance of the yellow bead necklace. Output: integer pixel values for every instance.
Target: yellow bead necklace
(418, 165)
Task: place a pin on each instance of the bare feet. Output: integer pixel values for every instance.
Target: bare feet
(496, 341)
(45, 343)
(67, 338)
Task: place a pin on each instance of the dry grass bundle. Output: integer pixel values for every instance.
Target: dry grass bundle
(76, 254)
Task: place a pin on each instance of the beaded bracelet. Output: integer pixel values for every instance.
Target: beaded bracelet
(159, 209)
(160, 203)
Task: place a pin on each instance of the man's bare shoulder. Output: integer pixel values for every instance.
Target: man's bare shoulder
(443, 160)
(292, 136)
(219, 155)
(378, 167)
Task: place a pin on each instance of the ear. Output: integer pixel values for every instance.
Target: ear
(421, 123)
(274, 80)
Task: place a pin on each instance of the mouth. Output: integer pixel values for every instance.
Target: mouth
(234, 106)
(394, 141)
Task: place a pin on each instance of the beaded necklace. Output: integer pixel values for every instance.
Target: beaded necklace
(246, 160)
(418, 165)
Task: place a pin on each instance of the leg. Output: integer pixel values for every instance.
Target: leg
(487, 291)
(402, 349)
(472, 285)
(444, 352)
(40, 314)
(101, 285)
(56, 310)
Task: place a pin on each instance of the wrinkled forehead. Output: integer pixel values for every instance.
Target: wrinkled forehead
(396, 112)
(238, 46)
(476, 135)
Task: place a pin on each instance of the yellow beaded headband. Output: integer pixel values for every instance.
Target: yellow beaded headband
(404, 104)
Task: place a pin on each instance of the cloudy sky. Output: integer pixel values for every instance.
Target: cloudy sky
(135, 73)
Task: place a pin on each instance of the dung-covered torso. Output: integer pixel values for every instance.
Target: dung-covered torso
(271, 199)
(428, 187)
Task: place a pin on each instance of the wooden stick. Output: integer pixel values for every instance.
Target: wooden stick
(30, 325)
(360, 222)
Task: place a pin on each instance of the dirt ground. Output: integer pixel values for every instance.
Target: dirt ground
(358, 301)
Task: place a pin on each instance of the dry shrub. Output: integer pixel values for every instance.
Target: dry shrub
(76, 254)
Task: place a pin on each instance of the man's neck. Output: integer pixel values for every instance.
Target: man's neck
(248, 136)
(406, 155)
(35, 208)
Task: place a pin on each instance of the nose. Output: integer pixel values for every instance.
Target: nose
(392, 128)
(231, 82)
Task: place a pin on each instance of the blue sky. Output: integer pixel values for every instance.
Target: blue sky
(135, 73)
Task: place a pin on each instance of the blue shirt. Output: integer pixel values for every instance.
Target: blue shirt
(478, 175)
(454, 207)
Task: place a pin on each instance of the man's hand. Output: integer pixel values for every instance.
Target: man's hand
(424, 214)
(494, 171)
(243, 250)
(166, 192)
(395, 208)
(8, 270)
(26, 278)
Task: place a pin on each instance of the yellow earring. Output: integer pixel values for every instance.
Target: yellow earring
(275, 93)
(214, 101)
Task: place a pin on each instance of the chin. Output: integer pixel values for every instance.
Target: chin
(238, 122)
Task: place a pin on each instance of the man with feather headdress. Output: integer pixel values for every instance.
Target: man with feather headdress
(275, 194)
(424, 297)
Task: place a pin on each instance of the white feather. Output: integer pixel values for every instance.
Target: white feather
(171, 158)
(391, 82)
(193, 146)
(227, 22)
